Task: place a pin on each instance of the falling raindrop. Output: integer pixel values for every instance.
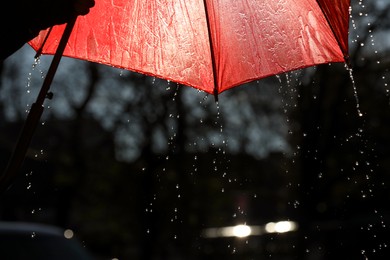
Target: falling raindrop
(355, 92)
(176, 91)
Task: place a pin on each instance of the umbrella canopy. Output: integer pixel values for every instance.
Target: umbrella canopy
(209, 45)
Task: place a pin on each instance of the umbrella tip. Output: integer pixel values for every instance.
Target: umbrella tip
(38, 54)
(216, 95)
(348, 61)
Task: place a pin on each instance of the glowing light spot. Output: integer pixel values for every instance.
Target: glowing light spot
(241, 231)
(68, 233)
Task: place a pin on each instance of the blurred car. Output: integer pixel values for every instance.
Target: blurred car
(33, 241)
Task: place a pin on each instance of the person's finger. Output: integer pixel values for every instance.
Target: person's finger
(82, 7)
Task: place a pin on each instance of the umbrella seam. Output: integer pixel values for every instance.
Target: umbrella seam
(346, 55)
(211, 51)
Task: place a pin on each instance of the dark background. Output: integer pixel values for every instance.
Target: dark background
(139, 167)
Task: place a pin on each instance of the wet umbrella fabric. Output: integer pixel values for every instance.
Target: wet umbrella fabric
(210, 45)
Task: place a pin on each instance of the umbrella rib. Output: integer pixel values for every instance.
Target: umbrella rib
(39, 51)
(211, 51)
(346, 56)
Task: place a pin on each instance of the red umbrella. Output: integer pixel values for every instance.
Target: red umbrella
(209, 45)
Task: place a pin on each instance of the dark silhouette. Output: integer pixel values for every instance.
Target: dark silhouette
(26, 18)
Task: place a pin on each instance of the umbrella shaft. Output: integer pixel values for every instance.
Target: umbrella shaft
(34, 115)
